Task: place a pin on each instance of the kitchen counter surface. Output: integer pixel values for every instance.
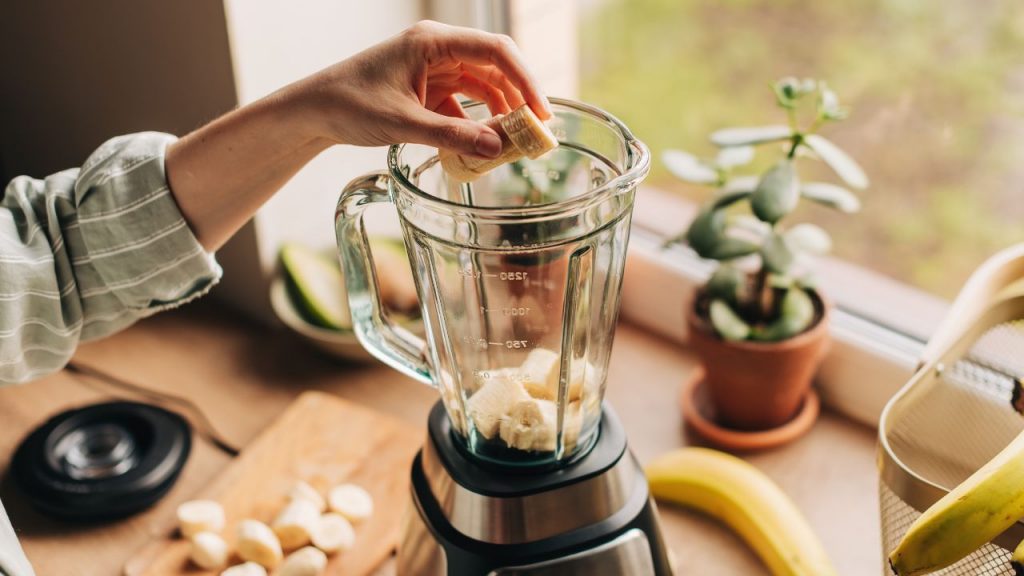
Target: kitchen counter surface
(242, 375)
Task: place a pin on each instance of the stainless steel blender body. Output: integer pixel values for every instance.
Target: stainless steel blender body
(519, 277)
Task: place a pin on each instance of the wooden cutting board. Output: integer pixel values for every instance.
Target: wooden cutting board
(325, 441)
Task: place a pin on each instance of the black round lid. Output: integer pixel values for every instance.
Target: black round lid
(102, 461)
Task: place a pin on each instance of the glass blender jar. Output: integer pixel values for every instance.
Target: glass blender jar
(518, 275)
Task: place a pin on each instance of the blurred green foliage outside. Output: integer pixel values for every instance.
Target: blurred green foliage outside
(936, 90)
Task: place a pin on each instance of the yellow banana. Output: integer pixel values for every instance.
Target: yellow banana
(742, 497)
(1017, 560)
(522, 134)
(979, 509)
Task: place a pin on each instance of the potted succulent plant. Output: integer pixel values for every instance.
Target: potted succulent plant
(759, 324)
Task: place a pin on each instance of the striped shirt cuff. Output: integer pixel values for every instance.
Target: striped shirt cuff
(136, 239)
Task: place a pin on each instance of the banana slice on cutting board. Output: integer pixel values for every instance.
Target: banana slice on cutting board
(351, 501)
(209, 551)
(245, 569)
(197, 516)
(306, 561)
(522, 134)
(333, 532)
(304, 491)
(295, 524)
(258, 543)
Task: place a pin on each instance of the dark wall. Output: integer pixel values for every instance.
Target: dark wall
(74, 73)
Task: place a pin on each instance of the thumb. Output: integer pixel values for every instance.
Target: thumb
(457, 134)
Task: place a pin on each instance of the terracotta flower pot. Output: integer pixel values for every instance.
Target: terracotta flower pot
(758, 385)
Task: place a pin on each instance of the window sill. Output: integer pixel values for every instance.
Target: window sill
(879, 326)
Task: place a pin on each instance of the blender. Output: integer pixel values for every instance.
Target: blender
(524, 470)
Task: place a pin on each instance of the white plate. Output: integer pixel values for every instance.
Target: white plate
(340, 344)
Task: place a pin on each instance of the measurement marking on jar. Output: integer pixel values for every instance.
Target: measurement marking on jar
(507, 310)
(504, 276)
(483, 344)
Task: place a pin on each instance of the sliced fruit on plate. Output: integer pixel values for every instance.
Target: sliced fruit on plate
(394, 275)
(318, 285)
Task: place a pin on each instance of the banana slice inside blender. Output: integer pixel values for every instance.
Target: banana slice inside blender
(488, 405)
(522, 134)
(532, 425)
(541, 372)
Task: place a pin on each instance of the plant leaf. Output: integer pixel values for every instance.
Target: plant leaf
(727, 198)
(832, 196)
(745, 224)
(688, 167)
(777, 255)
(807, 282)
(728, 137)
(728, 248)
(733, 156)
(727, 323)
(726, 283)
(779, 281)
(777, 193)
(738, 183)
(705, 231)
(839, 161)
(808, 238)
(796, 315)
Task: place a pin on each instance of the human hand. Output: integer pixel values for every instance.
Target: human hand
(403, 90)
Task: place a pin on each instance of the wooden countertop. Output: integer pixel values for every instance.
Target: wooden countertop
(242, 375)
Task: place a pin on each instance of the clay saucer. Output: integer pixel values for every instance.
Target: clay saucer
(698, 415)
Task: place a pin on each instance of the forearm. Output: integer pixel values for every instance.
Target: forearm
(223, 172)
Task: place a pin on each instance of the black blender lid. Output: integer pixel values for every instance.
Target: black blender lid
(489, 479)
(102, 461)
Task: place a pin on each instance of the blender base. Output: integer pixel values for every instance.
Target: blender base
(593, 516)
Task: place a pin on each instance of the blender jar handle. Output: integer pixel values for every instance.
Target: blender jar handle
(385, 340)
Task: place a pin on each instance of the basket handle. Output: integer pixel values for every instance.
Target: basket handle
(987, 282)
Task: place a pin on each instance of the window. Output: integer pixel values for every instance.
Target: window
(937, 98)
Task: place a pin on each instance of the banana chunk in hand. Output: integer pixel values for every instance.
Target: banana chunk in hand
(246, 569)
(333, 532)
(306, 561)
(294, 525)
(197, 516)
(488, 405)
(209, 551)
(351, 501)
(258, 543)
(522, 134)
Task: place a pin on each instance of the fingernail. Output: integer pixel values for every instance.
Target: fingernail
(488, 144)
(547, 106)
